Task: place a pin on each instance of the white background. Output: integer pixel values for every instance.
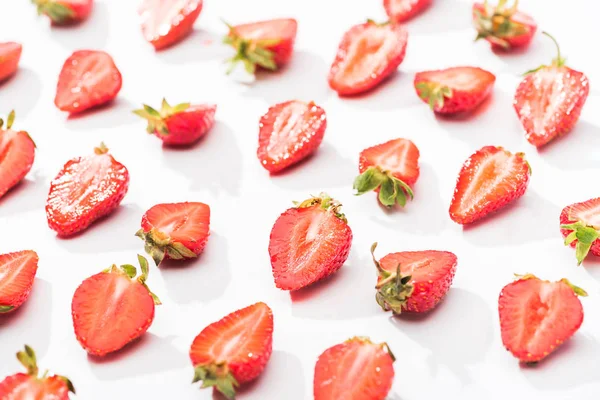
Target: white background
(454, 352)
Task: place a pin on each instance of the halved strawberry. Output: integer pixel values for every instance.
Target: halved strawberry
(403, 10)
(288, 133)
(30, 386)
(549, 100)
(175, 230)
(10, 54)
(367, 54)
(265, 44)
(390, 168)
(233, 350)
(357, 369)
(64, 12)
(413, 281)
(17, 152)
(537, 316)
(166, 22)
(489, 180)
(181, 124)
(309, 242)
(17, 272)
(85, 189)
(580, 226)
(454, 90)
(503, 27)
(112, 308)
(88, 79)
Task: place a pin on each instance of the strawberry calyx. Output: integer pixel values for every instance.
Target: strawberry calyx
(59, 13)
(218, 376)
(158, 244)
(576, 289)
(28, 359)
(393, 289)
(391, 189)
(557, 62)
(250, 52)
(326, 202)
(102, 149)
(157, 119)
(495, 24)
(379, 24)
(5, 309)
(367, 340)
(434, 93)
(584, 234)
(10, 119)
(131, 272)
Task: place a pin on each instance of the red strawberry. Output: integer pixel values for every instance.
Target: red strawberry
(357, 369)
(17, 152)
(182, 124)
(113, 308)
(64, 12)
(30, 386)
(87, 188)
(580, 226)
(503, 27)
(175, 231)
(489, 180)
(367, 54)
(265, 44)
(549, 100)
(537, 316)
(10, 54)
(17, 272)
(288, 133)
(233, 350)
(390, 168)
(413, 281)
(454, 90)
(165, 22)
(88, 79)
(309, 242)
(403, 10)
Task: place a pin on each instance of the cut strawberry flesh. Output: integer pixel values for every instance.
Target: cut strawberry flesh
(159, 16)
(26, 387)
(10, 54)
(182, 222)
(17, 272)
(587, 212)
(264, 30)
(422, 266)
(287, 127)
(400, 157)
(17, 153)
(404, 7)
(460, 78)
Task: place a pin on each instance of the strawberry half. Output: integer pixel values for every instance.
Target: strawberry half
(367, 54)
(182, 124)
(390, 168)
(403, 10)
(503, 27)
(580, 226)
(88, 79)
(309, 242)
(85, 189)
(30, 386)
(537, 316)
(166, 22)
(413, 281)
(17, 272)
(454, 90)
(265, 44)
(17, 152)
(549, 100)
(175, 231)
(64, 12)
(288, 133)
(10, 54)
(233, 350)
(112, 308)
(489, 180)
(357, 369)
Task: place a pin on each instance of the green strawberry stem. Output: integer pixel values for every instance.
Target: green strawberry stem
(28, 359)
(157, 119)
(585, 236)
(391, 189)
(393, 288)
(57, 12)
(250, 52)
(434, 93)
(131, 272)
(326, 202)
(576, 289)
(157, 245)
(216, 375)
(557, 62)
(496, 25)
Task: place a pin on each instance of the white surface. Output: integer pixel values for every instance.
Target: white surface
(453, 353)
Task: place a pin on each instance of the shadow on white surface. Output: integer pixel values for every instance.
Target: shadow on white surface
(200, 45)
(13, 97)
(148, 355)
(443, 16)
(395, 92)
(115, 114)
(591, 265)
(115, 232)
(324, 169)
(393, 396)
(573, 364)
(90, 34)
(199, 280)
(29, 194)
(518, 61)
(214, 163)
(462, 317)
(571, 152)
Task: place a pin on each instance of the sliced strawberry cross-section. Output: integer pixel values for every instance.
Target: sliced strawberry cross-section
(10, 54)
(580, 226)
(166, 22)
(502, 26)
(17, 274)
(17, 153)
